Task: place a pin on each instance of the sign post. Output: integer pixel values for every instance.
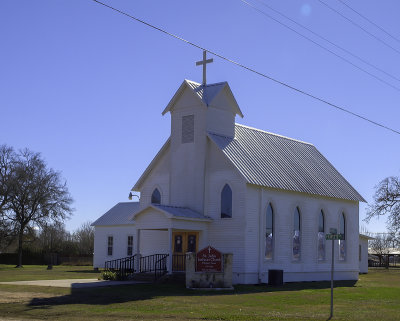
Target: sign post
(331, 237)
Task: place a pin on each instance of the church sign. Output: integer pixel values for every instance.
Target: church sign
(209, 260)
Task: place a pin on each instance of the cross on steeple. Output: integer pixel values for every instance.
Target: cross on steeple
(204, 62)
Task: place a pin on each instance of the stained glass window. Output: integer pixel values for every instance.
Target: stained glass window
(342, 232)
(191, 243)
(296, 235)
(321, 236)
(226, 202)
(156, 197)
(269, 230)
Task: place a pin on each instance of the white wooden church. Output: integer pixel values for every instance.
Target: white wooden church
(266, 198)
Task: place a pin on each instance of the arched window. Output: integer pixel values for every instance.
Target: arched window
(156, 197)
(269, 232)
(342, 232)
(226, 202)
(296, 235)
(321, 236)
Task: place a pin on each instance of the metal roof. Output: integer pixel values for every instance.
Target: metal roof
(208, 92)
(181, 212)
(120, 214)
(275, 161)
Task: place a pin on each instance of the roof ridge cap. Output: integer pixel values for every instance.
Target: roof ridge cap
(263, 131)
(207, 85)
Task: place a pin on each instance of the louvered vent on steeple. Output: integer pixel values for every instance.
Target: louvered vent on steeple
(188, 129)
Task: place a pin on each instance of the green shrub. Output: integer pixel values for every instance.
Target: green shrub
(109, 275)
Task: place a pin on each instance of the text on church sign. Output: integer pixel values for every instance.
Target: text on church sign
(209, 260)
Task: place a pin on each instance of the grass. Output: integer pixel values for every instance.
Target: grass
(375, 296)
(40, 272)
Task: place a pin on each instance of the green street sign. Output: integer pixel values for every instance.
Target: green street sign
(334, 237)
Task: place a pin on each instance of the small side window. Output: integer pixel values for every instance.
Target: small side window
(129, 250)
(110, 243)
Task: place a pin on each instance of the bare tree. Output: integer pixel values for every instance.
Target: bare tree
(36, 195)
(53, 238)
(381, 245)
(387, 202)
(84, 237)
(7, 164)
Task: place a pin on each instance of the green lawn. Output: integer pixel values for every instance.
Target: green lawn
(376, 296)
(40, 272)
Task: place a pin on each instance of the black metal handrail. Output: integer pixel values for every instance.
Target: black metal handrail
(124, 266)
(179, 262)
(147, 263)
(160, 267)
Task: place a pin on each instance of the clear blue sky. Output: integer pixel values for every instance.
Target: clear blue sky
(86, 86)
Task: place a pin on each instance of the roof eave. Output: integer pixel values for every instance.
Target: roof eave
(138, 184)
(170, 216)
(236, 105)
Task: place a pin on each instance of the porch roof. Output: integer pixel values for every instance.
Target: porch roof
(175, 212)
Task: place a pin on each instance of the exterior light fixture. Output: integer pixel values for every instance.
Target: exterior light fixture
(132, 195)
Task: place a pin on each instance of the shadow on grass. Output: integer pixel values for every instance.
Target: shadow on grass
(139, 292)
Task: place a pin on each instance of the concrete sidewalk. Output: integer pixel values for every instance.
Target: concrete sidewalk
(74, 283)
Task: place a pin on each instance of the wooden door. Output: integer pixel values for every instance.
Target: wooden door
(183, 242)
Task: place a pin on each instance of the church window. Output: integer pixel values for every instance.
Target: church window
(359, 252)
(156, 197)
(296, 235)
(226, 202)
(110, 243)
(188, 129)
(269, 232)
(129, 251)
(178, 243)
(342, 243)
(191, 243)
(321, 236)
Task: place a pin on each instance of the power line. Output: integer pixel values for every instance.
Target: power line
(327, 40)
(371, 22)
(321, 46)
(250, 69)
(360, 27)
